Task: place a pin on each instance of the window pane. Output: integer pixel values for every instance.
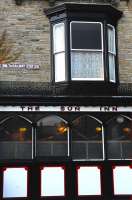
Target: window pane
(114, 149)
(111, 39)
(122, 180)
(112, 76)
(15, 139)
(15, 182)
(60, 67)
(87, 66)
(52, 181)
(58, 37)
(89, 181)
(127, 149)
(119, 138)
(86, 35)
(87, 140)
(52, 137)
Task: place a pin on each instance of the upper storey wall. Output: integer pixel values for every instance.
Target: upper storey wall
(125, 42)
(28, 34)
(27, 30)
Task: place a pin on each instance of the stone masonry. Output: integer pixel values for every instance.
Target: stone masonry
(28, 29)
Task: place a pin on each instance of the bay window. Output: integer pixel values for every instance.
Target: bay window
(84, 44)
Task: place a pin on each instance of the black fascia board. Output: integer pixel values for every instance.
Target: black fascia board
(66, 101)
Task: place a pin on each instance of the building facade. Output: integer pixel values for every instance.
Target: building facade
(65, 100)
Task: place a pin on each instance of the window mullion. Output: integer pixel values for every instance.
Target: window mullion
(33, 140)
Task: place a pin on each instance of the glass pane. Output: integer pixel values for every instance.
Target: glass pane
(52, 181)
(127, 150)
(122, 176)
(111, 39)
(112, 76)
(15, 139)
(60, 67)
(95, 150)
(15, 182)
(87, 66)
(79, 150)
(52, 137)
(86, 35)
(87, 140)
(89, 181)
(114, 149)
(58, 37)
(119, 138)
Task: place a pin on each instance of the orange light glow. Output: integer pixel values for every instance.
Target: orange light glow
(98, 129)
(126, 130)
(22, 130)
(62, 128)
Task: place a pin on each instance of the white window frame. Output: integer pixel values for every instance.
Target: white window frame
(88, 50)
(59, 78)
(103, 147)
(113, 53)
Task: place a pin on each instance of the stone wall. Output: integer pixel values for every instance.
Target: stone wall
(125, 42)
(28, 32)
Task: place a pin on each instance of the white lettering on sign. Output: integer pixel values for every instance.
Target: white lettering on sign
(88, 108)
(70, 108)
(37, 108)
(109, 108)
(20, 66)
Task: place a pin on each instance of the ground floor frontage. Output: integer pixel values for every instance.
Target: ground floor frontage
(65, 152)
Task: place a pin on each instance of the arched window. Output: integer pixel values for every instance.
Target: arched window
(87, 138)
(15, 138)
(119, 138)
(52, 137)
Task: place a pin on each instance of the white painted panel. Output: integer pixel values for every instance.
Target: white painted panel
(122, 176)
(52, 181)
(15, 182)
(89, 181)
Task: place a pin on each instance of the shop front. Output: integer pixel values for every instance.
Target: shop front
(65, 151)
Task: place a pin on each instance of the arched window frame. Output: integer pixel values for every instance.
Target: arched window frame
(107, 132)
(68, 138)
(102, 133)
(20, 117)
